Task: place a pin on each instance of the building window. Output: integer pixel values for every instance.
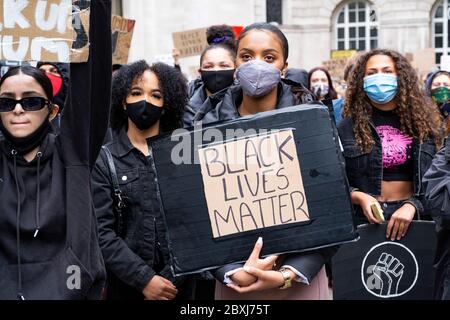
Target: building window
(441, 29)
(356, 27)
(274, 11)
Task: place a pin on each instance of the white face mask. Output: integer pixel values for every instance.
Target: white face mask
(257, 78)
(320, 89)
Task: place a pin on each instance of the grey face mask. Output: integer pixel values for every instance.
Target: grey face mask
(320, 89)
(257, 78)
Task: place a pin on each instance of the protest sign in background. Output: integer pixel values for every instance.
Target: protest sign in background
(296, 197)
(122, 34)
(190, 42)
(377, 268)
(44, 30)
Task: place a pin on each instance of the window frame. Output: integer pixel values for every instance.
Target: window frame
(368, 24)
(444, 49)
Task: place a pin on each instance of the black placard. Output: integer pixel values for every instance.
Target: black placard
(377, 268)
(192, 245)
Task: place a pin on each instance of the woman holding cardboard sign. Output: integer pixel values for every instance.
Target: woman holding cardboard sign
(389, 138)
(48, 232)
(261, 60)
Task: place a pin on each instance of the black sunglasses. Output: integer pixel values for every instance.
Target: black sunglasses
(28, 104)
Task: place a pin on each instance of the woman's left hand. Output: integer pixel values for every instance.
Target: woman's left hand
(400, 221)
(267, 279)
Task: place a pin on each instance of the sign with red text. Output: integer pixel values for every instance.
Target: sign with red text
(122, 34)
(253, 183)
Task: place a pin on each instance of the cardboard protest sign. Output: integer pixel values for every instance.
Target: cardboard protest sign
(271, 167)
(50, 30)
(376, 268)
(278, 175)
(122, 34)
(424, 61)
(190, 42)
(336, 67)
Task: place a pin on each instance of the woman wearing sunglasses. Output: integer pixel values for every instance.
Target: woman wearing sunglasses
(48, 234)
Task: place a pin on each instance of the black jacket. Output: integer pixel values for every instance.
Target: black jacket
(365, 170)
(48, 231)
(197, 97)
(308, 263)
(437, 182)
(133, 257)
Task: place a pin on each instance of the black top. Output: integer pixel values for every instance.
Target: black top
(398, 164)
(48, 230)
(437, 182)
(141, 252)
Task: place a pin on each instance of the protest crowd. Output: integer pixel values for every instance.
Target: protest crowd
(92, 201)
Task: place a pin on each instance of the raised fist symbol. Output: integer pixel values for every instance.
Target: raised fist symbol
(387, 274)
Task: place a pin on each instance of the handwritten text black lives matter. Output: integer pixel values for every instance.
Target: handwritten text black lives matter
(253, 183)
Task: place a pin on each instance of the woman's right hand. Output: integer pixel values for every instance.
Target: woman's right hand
(243, 278)
(365, 201)
(159, 288)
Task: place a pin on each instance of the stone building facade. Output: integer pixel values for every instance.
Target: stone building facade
(314, 27)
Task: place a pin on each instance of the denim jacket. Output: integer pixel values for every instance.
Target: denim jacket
(365, 170)
(141, 252)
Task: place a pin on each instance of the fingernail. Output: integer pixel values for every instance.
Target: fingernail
(260, 240)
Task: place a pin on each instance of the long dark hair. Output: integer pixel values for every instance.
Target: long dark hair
(173, 88)
(271, 28)
(416, 111)
(331, 93)
(36, 74)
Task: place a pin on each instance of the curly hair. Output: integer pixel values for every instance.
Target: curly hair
(173, 87)
(416, 111)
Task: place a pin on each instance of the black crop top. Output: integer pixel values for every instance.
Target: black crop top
(398, 162)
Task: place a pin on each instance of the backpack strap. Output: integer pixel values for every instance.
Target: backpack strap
(119, 203)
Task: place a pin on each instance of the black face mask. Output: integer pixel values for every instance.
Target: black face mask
(143, 114)
(32, 141)
(216, 81)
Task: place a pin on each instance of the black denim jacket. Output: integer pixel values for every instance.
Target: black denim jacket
(133, 257)
(365, 170)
